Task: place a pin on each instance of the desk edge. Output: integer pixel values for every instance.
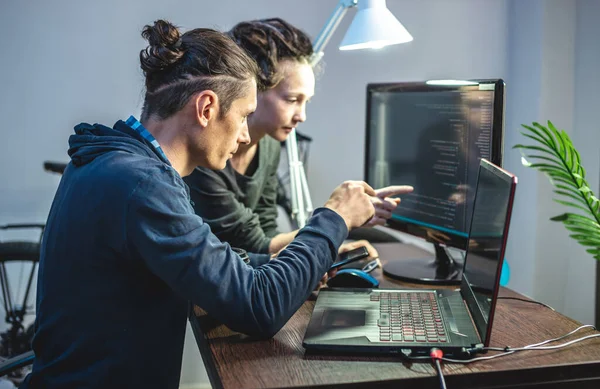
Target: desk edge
(204, 348)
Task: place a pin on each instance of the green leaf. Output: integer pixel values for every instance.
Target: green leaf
(584, 222)
(580, 170)
(580, 219)
(573, 189)
(572, 196)
(585, 242)
(586, 235)
(579, 179)
(574, 150)
(584, 232)
(591, 233)
(537, 148)
(567, 176)
(547, 134)
(588, 240)
(558, 174)
(588, 225)
(569, 204)
(595, 204)
(536, 136)
(568, 182)
(566, 143)
(544, 130)
(553, 160)
(549, 167)
(556, 134)
(551, 127)
(560, 218)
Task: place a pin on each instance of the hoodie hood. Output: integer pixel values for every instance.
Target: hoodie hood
(92, 141)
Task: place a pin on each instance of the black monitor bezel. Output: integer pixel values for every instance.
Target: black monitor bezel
(457, 241)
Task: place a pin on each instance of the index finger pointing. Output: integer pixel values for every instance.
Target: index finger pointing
(393, 190)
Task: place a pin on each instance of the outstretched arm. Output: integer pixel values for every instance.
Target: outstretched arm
(179, 248)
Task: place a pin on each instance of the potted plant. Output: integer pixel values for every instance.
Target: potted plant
(553, 154)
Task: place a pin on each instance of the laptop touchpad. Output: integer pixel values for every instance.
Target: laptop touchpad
(343, 318)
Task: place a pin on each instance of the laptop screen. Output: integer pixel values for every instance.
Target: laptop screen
(487, 241)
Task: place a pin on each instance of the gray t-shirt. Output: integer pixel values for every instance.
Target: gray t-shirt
(240, 209)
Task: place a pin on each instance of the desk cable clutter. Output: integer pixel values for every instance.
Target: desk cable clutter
(437, 356)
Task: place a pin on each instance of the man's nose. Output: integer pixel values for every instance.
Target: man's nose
(244, 136)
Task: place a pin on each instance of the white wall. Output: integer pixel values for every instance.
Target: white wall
(556, 103)
(586, 137)
(551, 76)
(78, 61)
(525, 36)
(70, 61)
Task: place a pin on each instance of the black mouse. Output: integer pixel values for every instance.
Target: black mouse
(352, 278)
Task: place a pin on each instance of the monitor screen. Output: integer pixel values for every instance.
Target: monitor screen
(432, 137)
(487, 241)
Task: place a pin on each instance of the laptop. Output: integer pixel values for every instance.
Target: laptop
(412, 321)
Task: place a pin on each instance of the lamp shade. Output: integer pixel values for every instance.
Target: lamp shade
(373, 27)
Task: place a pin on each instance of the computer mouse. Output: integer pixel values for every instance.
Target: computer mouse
(352, 278)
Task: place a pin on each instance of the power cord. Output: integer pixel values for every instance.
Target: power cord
(436, 355)
(537, 346)
(528, 301)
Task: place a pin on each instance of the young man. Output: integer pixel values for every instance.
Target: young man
(123, 251)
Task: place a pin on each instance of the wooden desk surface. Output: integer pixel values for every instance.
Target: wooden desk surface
(234, 360)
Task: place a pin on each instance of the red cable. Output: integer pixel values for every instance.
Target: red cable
(436, 355)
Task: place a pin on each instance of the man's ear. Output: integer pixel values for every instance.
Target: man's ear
(207, 107)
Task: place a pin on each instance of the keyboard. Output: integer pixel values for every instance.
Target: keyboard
(409, 317)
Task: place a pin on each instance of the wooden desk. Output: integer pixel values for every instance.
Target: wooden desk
(235, 361)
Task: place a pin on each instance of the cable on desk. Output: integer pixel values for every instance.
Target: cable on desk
(537, 346)
(436, 355)
(546, 341)
(528, 301)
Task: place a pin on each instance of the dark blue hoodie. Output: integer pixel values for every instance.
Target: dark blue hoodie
(123, 252)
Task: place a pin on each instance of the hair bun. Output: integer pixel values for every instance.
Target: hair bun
(164, 47)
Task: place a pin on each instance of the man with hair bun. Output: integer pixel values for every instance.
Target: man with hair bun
(123, 250)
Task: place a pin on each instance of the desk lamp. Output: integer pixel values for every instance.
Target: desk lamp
(373, 27)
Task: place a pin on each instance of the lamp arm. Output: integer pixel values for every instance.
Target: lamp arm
(329, 28)
(299, 193)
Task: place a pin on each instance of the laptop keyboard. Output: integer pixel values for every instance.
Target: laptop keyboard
(409, 317)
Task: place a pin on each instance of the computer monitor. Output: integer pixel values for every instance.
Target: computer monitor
(432, 136)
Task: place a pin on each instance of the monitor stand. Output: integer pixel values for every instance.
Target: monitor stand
(440, 269)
